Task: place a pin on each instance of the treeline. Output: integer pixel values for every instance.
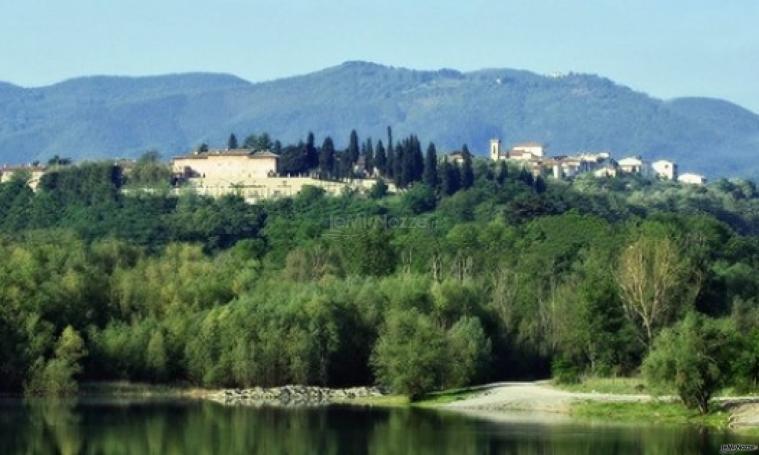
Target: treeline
(510, 277)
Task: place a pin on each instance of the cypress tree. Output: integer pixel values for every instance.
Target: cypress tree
(430, 166)
(312, 155)
(369, 156)
(455, 178)
(526, 177)
(380, 159)
(417, 160)
(540, 185)
(503, 172)
(346, 164)
(399, 164)
(390, 166)
(232, 142)
(449, 178)
(353, 150)
(327, 158)
(467, 173)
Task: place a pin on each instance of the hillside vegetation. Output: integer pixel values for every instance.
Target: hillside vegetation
(506, 277)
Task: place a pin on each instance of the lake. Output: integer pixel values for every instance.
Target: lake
(116, 426)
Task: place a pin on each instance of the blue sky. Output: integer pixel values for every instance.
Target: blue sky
(666, 48)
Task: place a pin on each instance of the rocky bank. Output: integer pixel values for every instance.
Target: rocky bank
(291, 395)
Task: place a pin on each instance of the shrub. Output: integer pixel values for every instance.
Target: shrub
(693, 357)
(57, 375)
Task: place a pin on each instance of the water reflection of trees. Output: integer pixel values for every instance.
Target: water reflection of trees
(45, 426)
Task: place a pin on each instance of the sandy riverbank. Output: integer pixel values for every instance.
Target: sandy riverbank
(542, 398)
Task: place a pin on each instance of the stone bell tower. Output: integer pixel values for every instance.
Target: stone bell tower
(495, 149)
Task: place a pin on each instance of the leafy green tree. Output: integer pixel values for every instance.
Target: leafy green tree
(149, 171)
(379, 190)
(58, 161)
(156, 356)
(411, 355)
(419, 198)
(469, 352)
(693, 357)
(57, 375)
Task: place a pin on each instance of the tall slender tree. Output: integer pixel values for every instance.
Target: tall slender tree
(430, 166)
(327, 158)
(417, 160)
(353, 148)
(540, 185)
(449, 178)
(380, 159)
(390, 166)
(232, 142)
(368, 155)
(312, 155)
(467, 173)
(502, 173)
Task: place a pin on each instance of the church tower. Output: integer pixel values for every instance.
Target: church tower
(495, 149)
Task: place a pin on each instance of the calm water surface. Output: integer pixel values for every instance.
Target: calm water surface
(192, 427)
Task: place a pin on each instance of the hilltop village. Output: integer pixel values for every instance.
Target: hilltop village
(258, 175)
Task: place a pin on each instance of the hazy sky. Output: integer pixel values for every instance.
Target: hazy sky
(667, 48)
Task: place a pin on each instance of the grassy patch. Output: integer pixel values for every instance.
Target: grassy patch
(132, 389)
(651, 412)
(627, 386)
(384, 400)
(445, 397)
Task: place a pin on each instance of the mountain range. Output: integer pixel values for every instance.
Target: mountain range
(104, 116)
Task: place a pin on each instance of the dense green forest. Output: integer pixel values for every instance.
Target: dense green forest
(472, 273)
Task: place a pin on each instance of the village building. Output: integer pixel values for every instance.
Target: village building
(528, 149)
(665, 169)
(631, 165)
(456, 158)
(691, 179)
(607, 170)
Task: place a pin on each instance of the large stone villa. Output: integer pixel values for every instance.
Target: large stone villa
(252, 175)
